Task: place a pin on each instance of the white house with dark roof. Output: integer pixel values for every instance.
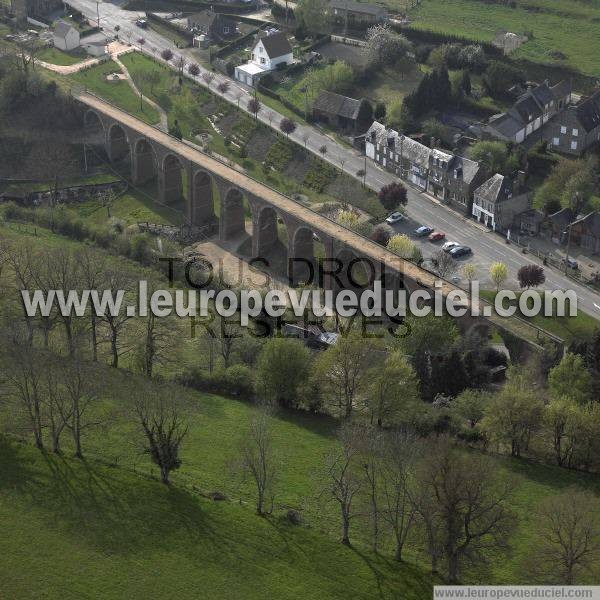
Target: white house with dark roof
(65, 36)
(529, 113)
(268, 52)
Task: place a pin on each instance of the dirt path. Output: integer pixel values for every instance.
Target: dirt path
(163, 125)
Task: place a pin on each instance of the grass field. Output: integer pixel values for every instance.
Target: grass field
(79, 529)
(58, 57)
(117, 92)
(123, 516)
(570, 329)
(567, 27)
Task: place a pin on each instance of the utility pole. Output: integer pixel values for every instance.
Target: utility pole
(574, 203)
(98, 12)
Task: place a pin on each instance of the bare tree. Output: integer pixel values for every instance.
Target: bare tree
(567, 543)
(61, 272)
(92, 266)
(371, 446)
(180, 62)
(79, 382)
(259, 459)
(24, 379)
(270, 116)
(397, 508)
(55, 401)
(445, 265)
(21, 259)
(223, 87)
(157, 339)
(464, 506)
(116, 281)
(25, 53)
(208, 78)
(163, 429)
(229, 331)
(342, 468)
(254, 106)
(306, 138)
(238, 94)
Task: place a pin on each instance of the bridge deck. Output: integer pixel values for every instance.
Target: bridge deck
(320, 224)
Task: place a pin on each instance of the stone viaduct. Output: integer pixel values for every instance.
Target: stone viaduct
(177, 165)
(216, 196)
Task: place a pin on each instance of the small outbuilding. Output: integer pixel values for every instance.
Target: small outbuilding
(341, 112)
(65, 36)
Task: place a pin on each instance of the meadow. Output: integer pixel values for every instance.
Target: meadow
(570, 28)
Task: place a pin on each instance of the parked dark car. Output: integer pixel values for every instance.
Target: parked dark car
(460, 251)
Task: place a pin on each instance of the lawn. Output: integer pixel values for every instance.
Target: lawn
(75, 529)
(135, 206)
(557, 26)
(117, 92)
(55, 56)
(388, 85)
(216, 425)
(570, 329)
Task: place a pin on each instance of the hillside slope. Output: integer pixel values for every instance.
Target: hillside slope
(83, 530)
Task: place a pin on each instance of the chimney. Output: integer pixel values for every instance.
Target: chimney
(432, 142)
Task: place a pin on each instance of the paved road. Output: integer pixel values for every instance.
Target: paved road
(487, 246)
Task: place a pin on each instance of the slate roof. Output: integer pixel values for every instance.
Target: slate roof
(95, 39)
(588, 112)
(470, 168)
(506, 124)
(62, 29)
(275, 44)
(561, 90)
(542, 94)
(418, 153)
(208, 17)
(336, 104)
(358, 7)
(495, 189)
(527, 108)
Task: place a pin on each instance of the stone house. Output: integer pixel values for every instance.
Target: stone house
(585, 232)
(447, 176)
(212, 24)
(578, 127)
(499, 200)
(341, 112)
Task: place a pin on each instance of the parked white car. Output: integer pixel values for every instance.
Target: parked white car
(449, 245)
(395, 217)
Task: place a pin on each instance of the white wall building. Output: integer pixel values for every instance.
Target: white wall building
(267, 53)
(65, 36)
(95, 45)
